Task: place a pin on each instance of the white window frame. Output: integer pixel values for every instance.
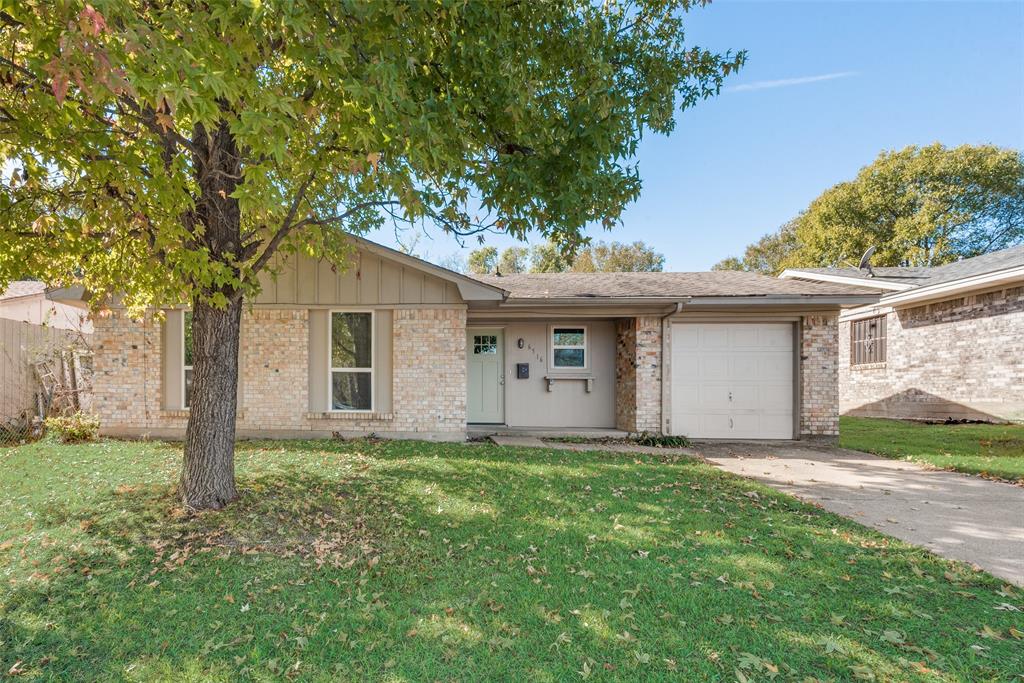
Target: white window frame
(373, 361)
(185, 368)
(585, 346)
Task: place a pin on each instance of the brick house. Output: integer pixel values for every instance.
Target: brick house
(942, 342)
(396, 346)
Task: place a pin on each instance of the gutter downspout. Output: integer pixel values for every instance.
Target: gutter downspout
(665, 360)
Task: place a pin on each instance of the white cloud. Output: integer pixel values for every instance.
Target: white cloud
(786, 82)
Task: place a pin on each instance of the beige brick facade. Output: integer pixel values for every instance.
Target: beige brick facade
(429, 380)
(819, 373)
(962, 358)
(427, 376)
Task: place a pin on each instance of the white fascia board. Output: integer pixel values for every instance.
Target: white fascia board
(945, 290)
(874, 283)
(860, 312)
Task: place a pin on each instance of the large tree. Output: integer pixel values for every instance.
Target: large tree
(164, 152)
(919, 206)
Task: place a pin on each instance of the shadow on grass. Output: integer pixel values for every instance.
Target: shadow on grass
(413, 561)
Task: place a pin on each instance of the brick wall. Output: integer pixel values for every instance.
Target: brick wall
(960, 358)
(819, 373)
(638, 374)
(429, 377)
(430, 370)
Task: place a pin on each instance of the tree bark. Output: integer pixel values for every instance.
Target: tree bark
(208, 475)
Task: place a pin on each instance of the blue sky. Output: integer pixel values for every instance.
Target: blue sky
(826, 87)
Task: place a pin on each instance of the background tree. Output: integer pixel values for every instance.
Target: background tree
(770, 255)
(920, 206)
(550, 258)
(169, 151)
(482, 261)
(616, 257)
(514, 260)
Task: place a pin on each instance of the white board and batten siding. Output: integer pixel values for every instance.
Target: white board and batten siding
(366, 280)
(733, 380)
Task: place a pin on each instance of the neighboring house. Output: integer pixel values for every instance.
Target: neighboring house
(26, 301)
(399, 347)
(35, 330)
(942, 342)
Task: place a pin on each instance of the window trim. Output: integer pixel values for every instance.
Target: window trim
(585, 346)
(858, 345)
(185, 313)
(373, 362)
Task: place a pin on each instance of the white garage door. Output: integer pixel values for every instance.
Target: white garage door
(732, 381)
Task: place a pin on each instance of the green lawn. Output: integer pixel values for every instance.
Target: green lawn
(992, 450)
(408, 561)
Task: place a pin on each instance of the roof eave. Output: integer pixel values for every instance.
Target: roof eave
(470, 289)
(756, 300)
(945, 290)
(873, 282)
(75, 295)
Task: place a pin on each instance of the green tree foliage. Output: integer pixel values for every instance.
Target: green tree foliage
(482, 261)
(514, 260)
(616, 257)
(770, 255)
(548, 257)
(168, 151)
(919, 206)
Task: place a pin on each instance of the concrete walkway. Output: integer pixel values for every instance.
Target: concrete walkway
(961, 517)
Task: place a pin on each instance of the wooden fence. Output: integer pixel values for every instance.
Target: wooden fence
(22, 344)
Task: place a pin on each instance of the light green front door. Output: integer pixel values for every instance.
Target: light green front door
(485, 395)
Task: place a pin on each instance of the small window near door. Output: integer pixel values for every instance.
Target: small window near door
(867, 341)
(187, 356)
(569, 347)
(485, 344)
(351, 348)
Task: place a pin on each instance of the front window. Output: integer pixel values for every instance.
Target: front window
(569, 347)
(351, 347)
(188, 356)
(867, 341)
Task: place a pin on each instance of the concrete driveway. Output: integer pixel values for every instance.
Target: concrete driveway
(954, 515)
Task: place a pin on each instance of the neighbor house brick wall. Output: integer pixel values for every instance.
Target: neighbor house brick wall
(428, 366)
(638, 374)
(819, 372)
(959, 358)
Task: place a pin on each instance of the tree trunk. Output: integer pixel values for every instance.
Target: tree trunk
(208, 476)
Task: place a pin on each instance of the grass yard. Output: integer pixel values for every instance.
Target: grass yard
(403, 561)
(992, 450)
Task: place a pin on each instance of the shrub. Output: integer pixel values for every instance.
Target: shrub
(661, 440)
(74, 428)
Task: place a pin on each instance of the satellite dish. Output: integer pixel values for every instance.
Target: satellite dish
(865, 261)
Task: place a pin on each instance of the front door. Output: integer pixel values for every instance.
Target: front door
(485, 395)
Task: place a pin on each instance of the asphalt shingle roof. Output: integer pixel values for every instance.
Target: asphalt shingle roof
(659, 285)
(20, 288)
(978, 265)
